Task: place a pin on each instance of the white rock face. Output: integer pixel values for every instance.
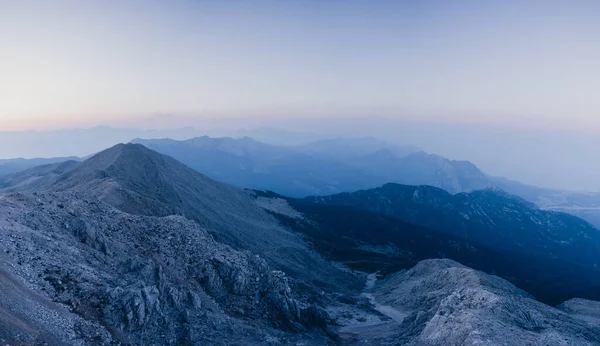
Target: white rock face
(447, 303)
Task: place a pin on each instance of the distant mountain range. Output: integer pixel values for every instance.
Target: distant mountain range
(582, 204)
(318, 168)
(343, 165)
(276, 136)
(131, 246)
(78, 141)
(332, 166)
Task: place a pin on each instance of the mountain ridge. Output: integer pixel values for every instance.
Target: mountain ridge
(140, 181)
(319, 168)
(434, 207)
(340, 167)
(149, 251)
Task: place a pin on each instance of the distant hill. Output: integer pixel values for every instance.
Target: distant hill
(351, 148)
(35, 178)
(8, 166)
(491, 217)
(277, 136)
(585, 205)
(551, 255)
(421, 168)
(251, 164)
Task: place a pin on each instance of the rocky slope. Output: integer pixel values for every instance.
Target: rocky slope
(121, 249)
(77, 271)
(446, 303)
(140, 181)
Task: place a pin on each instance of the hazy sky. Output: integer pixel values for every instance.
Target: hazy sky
(522, 63)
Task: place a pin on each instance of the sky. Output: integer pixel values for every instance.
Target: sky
(509, 63)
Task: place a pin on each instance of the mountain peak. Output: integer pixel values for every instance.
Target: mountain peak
(132, 178)
(124, 147)
(122, 159)
(140, 181)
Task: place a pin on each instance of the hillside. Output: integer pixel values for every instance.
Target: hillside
(76, 271)
(139, 181)
(331, 166)
(552, 255)
(489, 216)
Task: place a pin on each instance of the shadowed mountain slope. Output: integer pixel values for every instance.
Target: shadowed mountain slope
(490, 217)
(554, 256)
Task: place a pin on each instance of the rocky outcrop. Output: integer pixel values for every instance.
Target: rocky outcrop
(146, 280)
(447, 303)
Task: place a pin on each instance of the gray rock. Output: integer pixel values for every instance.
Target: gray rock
(446, 303)
(137, 279)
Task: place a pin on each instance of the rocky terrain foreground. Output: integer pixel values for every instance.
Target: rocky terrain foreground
(441, 302)
(131, 247)
(80, 272)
